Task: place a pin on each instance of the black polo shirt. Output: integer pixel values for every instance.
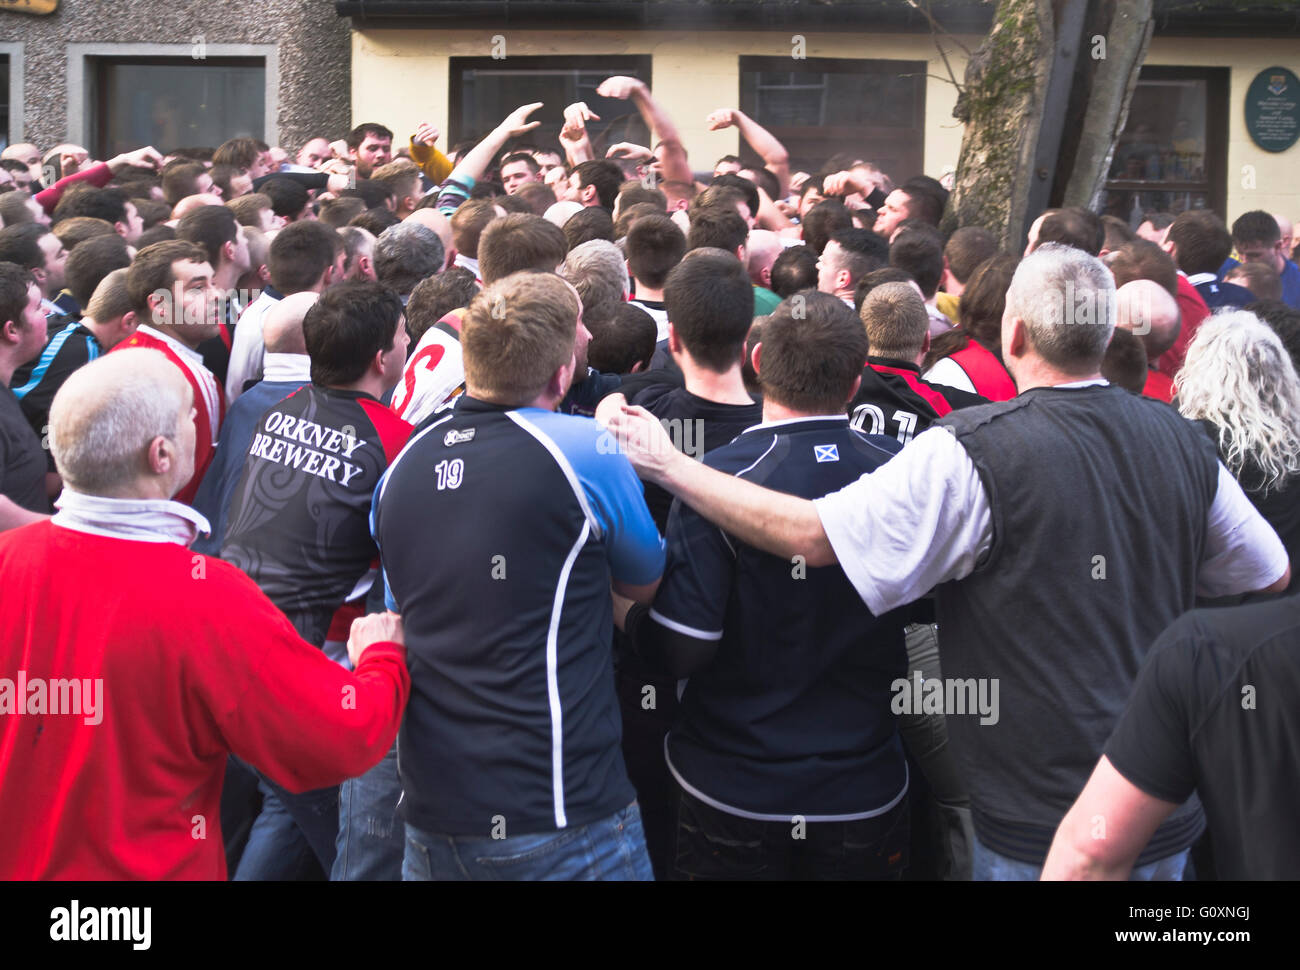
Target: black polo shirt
(22, 459)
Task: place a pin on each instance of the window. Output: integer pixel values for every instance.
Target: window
(1172, 154)
(174, 102)
(873, 109)
(483, 91)
(4, 101)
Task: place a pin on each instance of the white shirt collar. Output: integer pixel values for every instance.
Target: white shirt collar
(171, 342)
(141, 520)
(467, 262)
(1199, 278)
(286, 367)
(1095, 382)
(766, 425)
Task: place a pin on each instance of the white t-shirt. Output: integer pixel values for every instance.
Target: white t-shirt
(247, 350)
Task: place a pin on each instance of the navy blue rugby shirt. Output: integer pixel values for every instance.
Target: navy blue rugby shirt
(499, 532)
(790, 715)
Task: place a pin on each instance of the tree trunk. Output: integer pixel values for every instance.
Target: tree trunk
(1045, 97)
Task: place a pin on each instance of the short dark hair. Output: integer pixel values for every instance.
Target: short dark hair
(795, 269)
(633, 193)
(655, 245)
(1142, 259)
(467, 224)
(717, 227)
(605, 176)
(152, 212)
(524, 157)
(768, 182)
(1284, 321)
(78, 229)
(340, 211)
(211, 226)
(239, 153)
(1261, 279)
(1125, 361)
(370, 191)
(221, 176)
(300, 253)
(406, 254)
(984, 300)
(871, 248)
(593, 222)
(1074, 226)
(710, 302)
(151, 270)
(1158, 220)
(511, 203)
(742, 185)
(919, 253)
(156, 234)
(436, 296)
(346, 327)
(1116, 232)
(878, 277)
(107, 204)
(375, 220)
(519, 242)
(94, 259)
(926, 198)
(823, 219)
(180, 181)
(1201, 241)
(358, 134)
(21, 244)
(621, 340)
(966, 249)
(1256, 226)
(811, 358)
(536, 196)
(288, 198)
(15, 281)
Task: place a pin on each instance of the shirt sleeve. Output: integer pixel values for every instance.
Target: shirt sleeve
(692, 599)
(97, 175)
(1242, 552)
(454, 191)
(921, 519)
(1151, 743)
(948, 372)
(432, 162)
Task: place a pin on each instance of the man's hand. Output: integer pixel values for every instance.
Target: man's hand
(336, 166)
(147, 157)
(426, 134)
(722, 118)
(578, 114)
(797, 180)
(844, 183)
(625, 149)
(339, 148)
(516, 123)
(645, 442)
(610, 405)
(338, 183)
(620, 88)
(372, 629)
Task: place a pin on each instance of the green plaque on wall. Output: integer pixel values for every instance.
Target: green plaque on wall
(1273, 109)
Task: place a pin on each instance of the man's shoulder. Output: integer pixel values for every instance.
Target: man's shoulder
(826, 442)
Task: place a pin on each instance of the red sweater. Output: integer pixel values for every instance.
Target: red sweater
(195, 662)
(1194, 313)
(97, 175)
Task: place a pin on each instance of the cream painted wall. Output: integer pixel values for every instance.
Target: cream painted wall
(695, 72)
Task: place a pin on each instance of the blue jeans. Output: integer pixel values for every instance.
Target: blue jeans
(370, 841)
(989, 866)
(611, 848)
(293, 837)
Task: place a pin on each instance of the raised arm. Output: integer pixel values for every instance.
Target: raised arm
(775, 158)
(673, 167)
(573, 136)
(475, 161)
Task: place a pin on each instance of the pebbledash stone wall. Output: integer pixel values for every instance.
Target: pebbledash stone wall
(314, 55)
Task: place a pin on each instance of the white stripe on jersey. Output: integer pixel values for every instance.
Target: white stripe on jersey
(203, 378)
(553, 679)
(549, 444)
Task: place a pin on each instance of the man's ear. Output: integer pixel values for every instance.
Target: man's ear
(674, 341)
(842, 279)
(264, 273)
(766, 277)
(757, 354)
(638, 367)
(1019, 338)
(120, 229)
(161, 455)
(853, 391)
(10, 331)
(925, 344)
(228, 252)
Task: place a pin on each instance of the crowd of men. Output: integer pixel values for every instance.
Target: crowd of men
(528, 511)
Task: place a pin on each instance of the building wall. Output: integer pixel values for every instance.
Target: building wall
(312, 94)
(1256, 179)
(695, 72)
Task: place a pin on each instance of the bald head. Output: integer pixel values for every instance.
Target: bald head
(435, 220)
(24, 152)
(763, 246)
(282, 329)
(1146, 308)
(1288, 239)
(191, 202)
(106, 417)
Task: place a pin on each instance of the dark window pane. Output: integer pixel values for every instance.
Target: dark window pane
(485, 90)
(178, 104)
(873, 109)
(4, 101)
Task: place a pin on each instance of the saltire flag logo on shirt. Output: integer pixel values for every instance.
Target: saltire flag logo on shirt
(826, 452)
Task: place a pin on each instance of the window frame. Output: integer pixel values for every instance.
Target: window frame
(14, 51)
